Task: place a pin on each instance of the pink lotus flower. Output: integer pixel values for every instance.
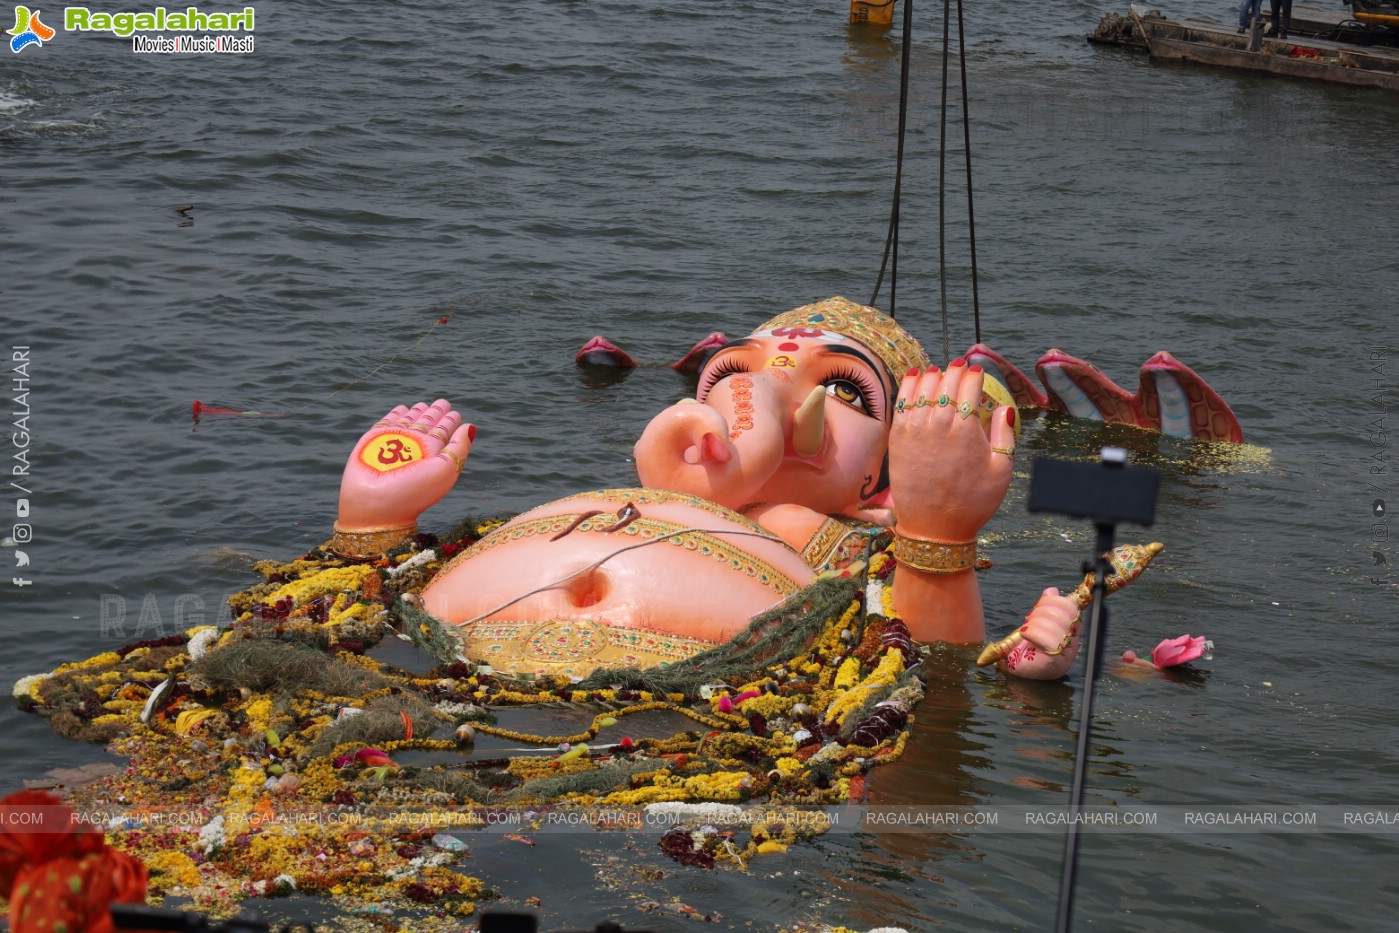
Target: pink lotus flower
(1180, 650)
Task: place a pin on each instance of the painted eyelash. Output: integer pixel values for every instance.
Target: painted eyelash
(725, 368)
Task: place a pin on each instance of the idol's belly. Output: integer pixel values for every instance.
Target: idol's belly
(682, 567)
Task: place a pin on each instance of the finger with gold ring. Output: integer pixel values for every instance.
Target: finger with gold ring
(944, 401)
(442, 436)
(1008, 451)
(922, 402)
(461, 464)
(964, 410)
(902, 406)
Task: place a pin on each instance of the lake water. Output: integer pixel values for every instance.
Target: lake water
(544, 171)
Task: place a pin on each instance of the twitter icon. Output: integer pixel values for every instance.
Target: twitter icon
(22, 559)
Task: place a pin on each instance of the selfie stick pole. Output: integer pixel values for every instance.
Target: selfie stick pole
(1097, 622)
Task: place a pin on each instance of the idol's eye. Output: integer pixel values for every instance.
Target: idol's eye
(724, 368)
(847, 392)
(854, 389)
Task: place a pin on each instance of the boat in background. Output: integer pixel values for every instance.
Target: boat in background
(1210, 43)
(1378, 12)
(1311, 22)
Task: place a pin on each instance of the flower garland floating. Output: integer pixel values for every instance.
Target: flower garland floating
(270, 755)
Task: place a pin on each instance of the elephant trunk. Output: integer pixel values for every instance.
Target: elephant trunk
(724, 449)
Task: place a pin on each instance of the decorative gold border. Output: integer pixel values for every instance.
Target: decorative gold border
(574, 646)
(828, 543)
(370, 542)
(641, 495)
(934, 556)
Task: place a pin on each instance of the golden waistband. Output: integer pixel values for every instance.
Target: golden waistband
(643, 495)
(573, 647)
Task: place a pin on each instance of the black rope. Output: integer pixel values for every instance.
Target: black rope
(891, 239)
(890, 261)
(967, 146)
(942, 181)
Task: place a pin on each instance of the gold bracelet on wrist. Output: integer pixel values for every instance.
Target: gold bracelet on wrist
(934, 556)
(370, 542)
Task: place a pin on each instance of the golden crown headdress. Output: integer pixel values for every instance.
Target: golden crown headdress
(881, 333)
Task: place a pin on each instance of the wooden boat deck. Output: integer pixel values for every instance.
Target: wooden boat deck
(1212, 43)
(1307, 22)
(1206, 41)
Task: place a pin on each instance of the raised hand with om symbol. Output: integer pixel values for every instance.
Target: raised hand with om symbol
(402, 466)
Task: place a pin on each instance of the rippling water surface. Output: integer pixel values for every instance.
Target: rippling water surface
(548, 170)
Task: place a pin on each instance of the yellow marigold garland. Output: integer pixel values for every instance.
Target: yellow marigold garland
(768, 738)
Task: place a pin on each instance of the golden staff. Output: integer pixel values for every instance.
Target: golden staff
(1127, 560)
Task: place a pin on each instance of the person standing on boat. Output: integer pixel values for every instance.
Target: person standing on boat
(1281, 13)
(1249, 10)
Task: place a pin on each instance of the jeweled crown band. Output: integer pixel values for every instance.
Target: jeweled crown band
(890, 342)
(370, 542)
(934, 556)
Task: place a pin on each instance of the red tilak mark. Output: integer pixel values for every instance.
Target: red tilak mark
(788, 347)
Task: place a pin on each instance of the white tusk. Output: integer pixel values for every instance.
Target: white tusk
(809, 424)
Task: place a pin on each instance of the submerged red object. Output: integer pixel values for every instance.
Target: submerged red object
(1171, 398)
(600, 351)
(693, 361)
(1175, 400)
(1025, 392)
(200, 410)
(1080, 388)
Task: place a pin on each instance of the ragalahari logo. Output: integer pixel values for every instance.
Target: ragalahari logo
(28, 30)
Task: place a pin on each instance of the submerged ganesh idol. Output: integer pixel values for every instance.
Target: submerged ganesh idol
(824, 426)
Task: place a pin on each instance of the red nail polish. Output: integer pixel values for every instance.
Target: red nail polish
(973, 369)
(959, 361)
(911, 373)
(471, 432)
(1010, 416)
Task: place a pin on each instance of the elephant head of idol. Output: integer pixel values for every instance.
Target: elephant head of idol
(798, 412)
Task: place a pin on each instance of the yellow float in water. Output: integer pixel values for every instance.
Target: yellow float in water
(863, 13)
